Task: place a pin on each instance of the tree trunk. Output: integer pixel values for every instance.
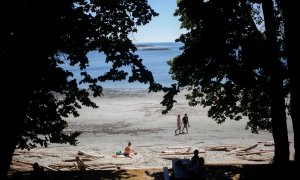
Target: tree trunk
(6, 155)
(10, 127)
(278, 114)
(291, 59)
(292, 34)
(14, 96)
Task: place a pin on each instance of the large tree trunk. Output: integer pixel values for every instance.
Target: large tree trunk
(7, 149)
(11, 126)
(291, 59)
(290, 35)
(278, 114)
(13, 101)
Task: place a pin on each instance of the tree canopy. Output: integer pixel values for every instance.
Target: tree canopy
(224, 62)
(234, 64)
(37, 37)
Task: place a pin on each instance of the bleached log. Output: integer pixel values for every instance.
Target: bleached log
(22, 162)
(255, 152)
(173, 152)
(216, 148)
(19, 168)
(251, 158)
(178, 147)
(50, 168)
(34, 155)
(106, 167)
(177, 153)
(174, 157)
(80, 164)
(243, 150)
(250, 147)
(88, 155)
(31, 153)
(269, 144)
(69, 160)
(63, 165)
(82, 158)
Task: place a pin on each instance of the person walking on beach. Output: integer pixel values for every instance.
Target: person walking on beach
(179, 123)
(186, 123)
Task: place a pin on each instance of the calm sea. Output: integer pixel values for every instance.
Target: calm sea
(154, 55)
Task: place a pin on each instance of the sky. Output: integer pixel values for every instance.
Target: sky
(162, 28)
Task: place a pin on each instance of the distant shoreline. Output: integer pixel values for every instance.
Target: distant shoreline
(143, 47)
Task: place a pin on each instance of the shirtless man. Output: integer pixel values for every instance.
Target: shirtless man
(128, 151)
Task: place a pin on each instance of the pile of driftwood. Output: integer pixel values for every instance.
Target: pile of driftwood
(246, 153)
(250, 153)
(79, 162)
(37, 154)
(178, 152)
(80, 165)
(20, 166)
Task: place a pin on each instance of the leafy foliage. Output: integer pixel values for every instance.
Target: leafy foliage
(224, 62)
(39, 36)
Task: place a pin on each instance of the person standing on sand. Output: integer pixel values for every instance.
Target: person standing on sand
(179, 122)
(186, 123)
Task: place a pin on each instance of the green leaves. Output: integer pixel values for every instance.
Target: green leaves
(41, 36)
(224, 62)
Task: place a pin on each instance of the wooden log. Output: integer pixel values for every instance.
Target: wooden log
(216, 148)
(22, 162)
(250, 147)
(82, 158)
(178, 147)
(63, 165)
(34, 155)
(174, 157)
(80, 164)
(255, 152)
(173, 152)
(108, 166)
(70, 160)
(50, 168)
(177, 153)
(269, 144)
(82, 153)
(19, 168)
(243, 150)
(252, 158)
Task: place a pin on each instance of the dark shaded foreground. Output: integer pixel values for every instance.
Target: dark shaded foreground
(216, 172)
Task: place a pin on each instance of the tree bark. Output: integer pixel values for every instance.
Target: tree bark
(291, 60)
(278, 114)
(10, 128)
(6, 156)
(13, 105)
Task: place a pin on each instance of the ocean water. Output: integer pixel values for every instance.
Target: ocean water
(154, 55)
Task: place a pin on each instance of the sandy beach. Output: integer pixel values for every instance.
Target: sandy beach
(135, 115)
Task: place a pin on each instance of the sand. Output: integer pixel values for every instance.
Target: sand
(135, 115)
